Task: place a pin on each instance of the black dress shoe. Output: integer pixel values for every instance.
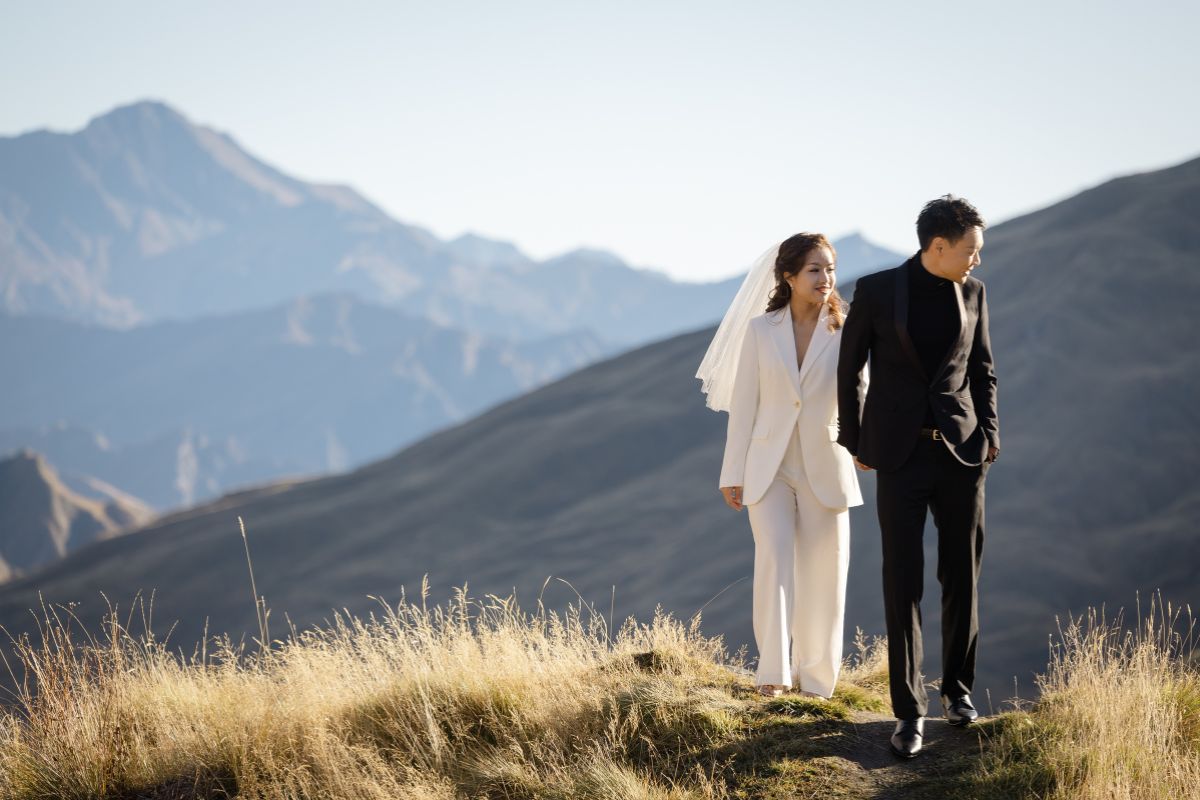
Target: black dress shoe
(906, 741)
(959, 711)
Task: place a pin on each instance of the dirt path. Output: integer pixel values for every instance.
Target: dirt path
(869, 759)
(851, 759)
(857, 761)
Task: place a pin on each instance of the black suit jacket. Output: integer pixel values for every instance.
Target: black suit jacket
(883, 433)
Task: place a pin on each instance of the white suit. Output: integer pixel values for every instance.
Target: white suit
(797, 484)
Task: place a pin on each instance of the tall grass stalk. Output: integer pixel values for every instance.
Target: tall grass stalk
(260, 603)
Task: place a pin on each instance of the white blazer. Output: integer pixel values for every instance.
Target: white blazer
(771, 396)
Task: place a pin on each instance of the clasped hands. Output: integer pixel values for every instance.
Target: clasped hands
(733, 494)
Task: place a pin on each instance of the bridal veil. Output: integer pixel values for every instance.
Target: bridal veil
(719, 366)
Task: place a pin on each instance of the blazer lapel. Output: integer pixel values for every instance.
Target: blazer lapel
(901, 318)
(821, 338)
(785, 345)
(963, 330)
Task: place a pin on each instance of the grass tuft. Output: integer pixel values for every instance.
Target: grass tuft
(797, 706)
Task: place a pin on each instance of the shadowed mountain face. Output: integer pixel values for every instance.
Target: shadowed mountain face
(41, 519)
(144, 215)
(189, 409)
(608, 477)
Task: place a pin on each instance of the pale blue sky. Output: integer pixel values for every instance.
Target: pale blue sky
(681, 136)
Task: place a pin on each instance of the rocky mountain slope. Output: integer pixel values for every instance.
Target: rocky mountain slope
(42, 519)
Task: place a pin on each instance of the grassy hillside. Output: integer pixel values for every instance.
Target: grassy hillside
(478, 699)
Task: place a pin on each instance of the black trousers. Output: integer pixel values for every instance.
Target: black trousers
(933, 479)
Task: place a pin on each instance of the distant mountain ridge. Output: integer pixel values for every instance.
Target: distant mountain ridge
(145, 216)
(180, 412)
(608, 477)
(388, 334)
(41, 519)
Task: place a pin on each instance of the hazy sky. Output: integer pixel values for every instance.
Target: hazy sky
(681, 136)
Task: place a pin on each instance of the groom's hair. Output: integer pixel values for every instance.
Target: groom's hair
(949, 217)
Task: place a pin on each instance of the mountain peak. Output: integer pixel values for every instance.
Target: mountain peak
(854, 237)
(857, 248)
(27, 465)
(487, 252)
(148, 108)
(592, 255)
(41, 519)
(146, 118)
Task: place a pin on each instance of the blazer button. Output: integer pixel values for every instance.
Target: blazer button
(796, 404)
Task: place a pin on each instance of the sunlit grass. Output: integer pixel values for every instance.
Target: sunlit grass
(476, 698)
(1118, 716)
(479, 699)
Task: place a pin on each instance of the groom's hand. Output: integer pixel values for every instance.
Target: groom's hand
(861, 465)
(733, 497)
(993, 454)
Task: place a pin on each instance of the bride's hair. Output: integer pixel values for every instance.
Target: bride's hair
(792, 253)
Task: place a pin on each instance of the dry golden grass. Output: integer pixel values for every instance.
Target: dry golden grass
(1118, 717)
(482, 700)
(476, 699)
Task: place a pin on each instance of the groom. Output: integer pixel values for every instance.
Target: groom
(929, 429)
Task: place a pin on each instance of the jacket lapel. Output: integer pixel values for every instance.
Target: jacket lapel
(963, 331)
(901, 318)
(785, 344)
(821, 338)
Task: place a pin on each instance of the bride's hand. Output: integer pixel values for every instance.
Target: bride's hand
(733, 497)
(862, 466)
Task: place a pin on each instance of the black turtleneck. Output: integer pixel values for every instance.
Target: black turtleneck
(932, 320)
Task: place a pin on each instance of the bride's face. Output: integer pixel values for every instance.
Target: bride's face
(817, 277)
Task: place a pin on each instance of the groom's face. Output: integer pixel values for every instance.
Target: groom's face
(955, 261)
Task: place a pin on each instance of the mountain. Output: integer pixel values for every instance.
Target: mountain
(608, 477)
(172, 468)
(41, 519)
(856, 256)
(209, 304)
(179, 412)
(145, 216)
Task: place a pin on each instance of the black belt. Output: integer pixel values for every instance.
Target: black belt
(932, 433)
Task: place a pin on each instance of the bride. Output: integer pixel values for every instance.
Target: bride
(773, 366)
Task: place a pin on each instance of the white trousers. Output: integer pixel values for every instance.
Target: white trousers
(801, 557)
